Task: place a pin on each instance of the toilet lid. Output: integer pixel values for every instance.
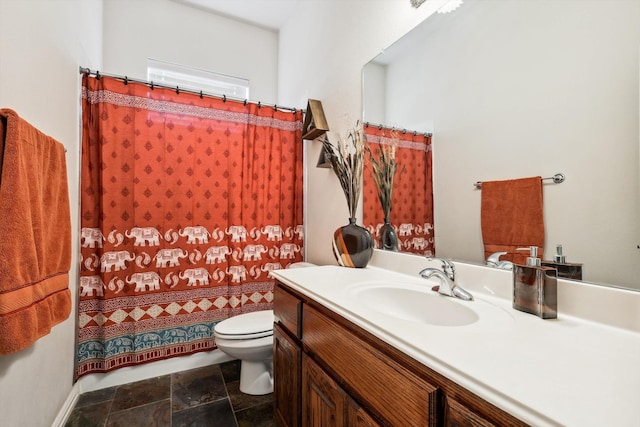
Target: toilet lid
(248, 325)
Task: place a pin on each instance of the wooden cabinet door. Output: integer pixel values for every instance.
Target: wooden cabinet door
(286, 379)
(287, 310)
(382, 385)
(324, 403)
(458, 415)
(358, 417)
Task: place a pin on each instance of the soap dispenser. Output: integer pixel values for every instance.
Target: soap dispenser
(567, 270)
(535, 287)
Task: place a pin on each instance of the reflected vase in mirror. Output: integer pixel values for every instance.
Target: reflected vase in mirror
(353, 245)
(383, 167)
(387, 236)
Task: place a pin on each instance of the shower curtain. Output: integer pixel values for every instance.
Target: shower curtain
(412, 198)
(187, 203)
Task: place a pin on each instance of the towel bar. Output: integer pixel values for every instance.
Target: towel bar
(557, 179)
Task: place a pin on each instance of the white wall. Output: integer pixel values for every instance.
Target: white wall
(322, 50)
(172, 32)
(42, 44)
(374, 102)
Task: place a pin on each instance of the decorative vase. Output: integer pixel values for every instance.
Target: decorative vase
(388, 237)
(353, 245)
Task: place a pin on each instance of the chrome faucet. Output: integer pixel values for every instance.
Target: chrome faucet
(494, 261)
(447, 277)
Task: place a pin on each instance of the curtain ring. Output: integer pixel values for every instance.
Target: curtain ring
(126, 81)
(245, 102)
(259, 106)
(98, 75)
(177, 90)
(152, 86)
(224, 98)
(200, 94)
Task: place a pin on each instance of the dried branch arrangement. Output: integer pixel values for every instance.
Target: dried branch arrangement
(347, 160)
(383, 170)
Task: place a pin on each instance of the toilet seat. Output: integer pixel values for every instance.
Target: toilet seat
(246, 326)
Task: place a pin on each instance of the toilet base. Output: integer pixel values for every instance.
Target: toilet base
(256, 378)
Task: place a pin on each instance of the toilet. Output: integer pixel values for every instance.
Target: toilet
(249, 338)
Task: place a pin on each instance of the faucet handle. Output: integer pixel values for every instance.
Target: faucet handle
(447, 266)
(494, 258)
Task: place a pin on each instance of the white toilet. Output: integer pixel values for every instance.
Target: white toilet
(249, 338)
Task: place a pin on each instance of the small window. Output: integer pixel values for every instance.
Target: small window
(196, 79)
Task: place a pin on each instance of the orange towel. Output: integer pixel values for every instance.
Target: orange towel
(511, 217)
(35, 225)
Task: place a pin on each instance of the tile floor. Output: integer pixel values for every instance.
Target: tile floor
(199, 397)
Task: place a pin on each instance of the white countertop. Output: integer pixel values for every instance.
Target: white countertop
(566, 371)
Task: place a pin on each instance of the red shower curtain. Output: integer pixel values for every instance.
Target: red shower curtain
(187, 203)
(412, 198)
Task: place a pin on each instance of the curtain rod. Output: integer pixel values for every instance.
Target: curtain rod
(414, 132)
(178, 89)
(557, 179)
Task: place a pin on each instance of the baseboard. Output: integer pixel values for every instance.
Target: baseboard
(67, 407)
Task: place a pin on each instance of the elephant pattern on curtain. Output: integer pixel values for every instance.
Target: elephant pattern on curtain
(412, 197)
(187, 204)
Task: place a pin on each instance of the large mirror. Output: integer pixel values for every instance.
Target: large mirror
(514, 89)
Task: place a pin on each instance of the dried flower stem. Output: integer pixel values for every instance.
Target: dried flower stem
(383, 170)
(347, 161)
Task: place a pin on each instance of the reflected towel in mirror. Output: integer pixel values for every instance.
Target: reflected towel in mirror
(512, 217)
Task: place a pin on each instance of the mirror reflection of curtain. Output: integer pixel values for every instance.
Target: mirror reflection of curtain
(187, 203)
(412, 197)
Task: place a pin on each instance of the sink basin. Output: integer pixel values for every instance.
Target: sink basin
(418, 303)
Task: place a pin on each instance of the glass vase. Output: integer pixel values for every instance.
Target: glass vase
(388, 237)
(353, 245)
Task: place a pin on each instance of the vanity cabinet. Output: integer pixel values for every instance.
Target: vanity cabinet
(323, 399)
(456, 414)
(381, 385)
(330, 372)
(325, 403)
(358, 417)
(286, 388)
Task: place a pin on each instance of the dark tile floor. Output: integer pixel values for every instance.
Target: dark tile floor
(199, 397)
